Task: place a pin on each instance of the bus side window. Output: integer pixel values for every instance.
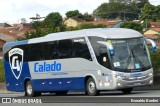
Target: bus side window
(25, 52)
(50, 50)
(65, 49)
(36, 52)
(81, 50)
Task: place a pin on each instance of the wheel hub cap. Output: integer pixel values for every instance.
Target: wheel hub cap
(29, 89)
(91, 87)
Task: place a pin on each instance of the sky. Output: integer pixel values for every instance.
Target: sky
(11, 11)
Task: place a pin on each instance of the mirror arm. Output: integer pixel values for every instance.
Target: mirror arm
(153, 44)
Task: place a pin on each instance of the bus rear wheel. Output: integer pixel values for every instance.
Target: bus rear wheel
(127, 90)
(29, 90)
(91, 88)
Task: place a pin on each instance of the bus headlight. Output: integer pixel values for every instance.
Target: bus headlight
(150, 74)
(121, 77)
(151, 82)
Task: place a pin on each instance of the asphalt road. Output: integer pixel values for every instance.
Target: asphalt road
(110, 98)
(145, 93)
(104, 97)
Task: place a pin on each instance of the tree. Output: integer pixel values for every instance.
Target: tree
(37, 24)
(122, 1)
(150, 13)
(88, 17)
(89, 26)
(53, 20)
(37, 18)
(23, 20)
(74, 13)
(136, 5)
(132, 25)
(52, 23)
(155, 57)
(141, 3)
(111, 10)
(122, 9)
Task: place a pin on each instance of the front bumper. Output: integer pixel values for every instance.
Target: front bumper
(116, 83)
(136, 83)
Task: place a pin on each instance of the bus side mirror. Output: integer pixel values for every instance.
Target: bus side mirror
(109, 46)
(153, 44)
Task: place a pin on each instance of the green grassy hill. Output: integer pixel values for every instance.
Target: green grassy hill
(1, 71)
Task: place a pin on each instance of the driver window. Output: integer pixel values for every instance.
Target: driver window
(103, 58)
(100, 51)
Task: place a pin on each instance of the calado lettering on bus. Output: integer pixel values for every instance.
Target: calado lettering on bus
(46, 67)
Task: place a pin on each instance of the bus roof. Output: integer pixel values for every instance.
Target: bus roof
(110, 33)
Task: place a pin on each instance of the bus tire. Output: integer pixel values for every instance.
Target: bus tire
(61, 92)
(91, 88)
(127, 90)
(30, 90)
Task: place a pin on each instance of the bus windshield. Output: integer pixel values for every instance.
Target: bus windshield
(130, 55)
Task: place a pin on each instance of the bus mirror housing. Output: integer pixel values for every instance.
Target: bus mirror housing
(153, 44)
(109, 46)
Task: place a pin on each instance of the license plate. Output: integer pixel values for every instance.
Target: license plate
(136, 74)
(137, 83)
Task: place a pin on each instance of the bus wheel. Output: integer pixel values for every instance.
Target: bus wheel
(61, 92)
(29, 90)
(91, 89)
(127, 90)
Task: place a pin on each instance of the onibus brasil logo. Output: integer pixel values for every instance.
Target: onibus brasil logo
(16, 61)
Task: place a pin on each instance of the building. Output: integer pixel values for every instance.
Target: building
(155, 24)
(23, 26)
(74, 22)
(152, 31)
(4, 25)
(154, 34)
(4, 39)
(10, 33)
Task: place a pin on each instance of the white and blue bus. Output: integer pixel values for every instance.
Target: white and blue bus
(90, 60)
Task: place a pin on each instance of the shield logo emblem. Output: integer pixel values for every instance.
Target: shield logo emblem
(16, 61)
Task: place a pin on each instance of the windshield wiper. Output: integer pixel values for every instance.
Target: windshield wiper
(136, 58)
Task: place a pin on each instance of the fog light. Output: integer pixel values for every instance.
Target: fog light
(151, 81)
(119, 84)
(119, 77)
(150, 74)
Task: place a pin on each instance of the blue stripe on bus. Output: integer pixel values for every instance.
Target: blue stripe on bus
(16, 43)
(48, 85)
(59, 84)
